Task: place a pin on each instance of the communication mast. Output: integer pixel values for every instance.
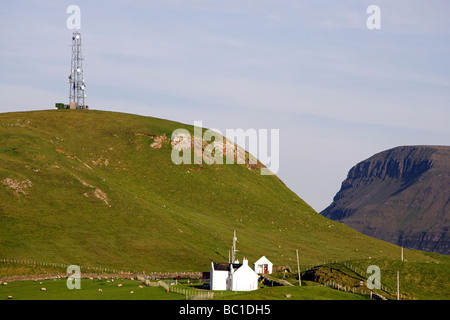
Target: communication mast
(76, 78)
(234, 250)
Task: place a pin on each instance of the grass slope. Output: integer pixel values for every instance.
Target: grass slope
(82, 187)
(292, 293)
(56, 289)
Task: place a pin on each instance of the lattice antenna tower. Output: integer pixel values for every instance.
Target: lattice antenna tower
(76, 78)
(233, 249)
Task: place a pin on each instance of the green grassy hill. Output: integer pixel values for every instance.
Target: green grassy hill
(88, 188)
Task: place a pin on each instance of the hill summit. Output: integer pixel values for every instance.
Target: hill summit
(401, 195)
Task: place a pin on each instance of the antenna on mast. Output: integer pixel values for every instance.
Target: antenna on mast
(76, 78)
(234, 250)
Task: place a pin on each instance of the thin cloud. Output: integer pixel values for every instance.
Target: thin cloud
(310, 68)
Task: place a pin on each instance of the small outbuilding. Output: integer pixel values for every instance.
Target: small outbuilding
(263, 266)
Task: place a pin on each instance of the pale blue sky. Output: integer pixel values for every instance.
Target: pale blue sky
(337, 91)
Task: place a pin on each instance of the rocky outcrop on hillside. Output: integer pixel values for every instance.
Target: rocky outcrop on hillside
(401, 195)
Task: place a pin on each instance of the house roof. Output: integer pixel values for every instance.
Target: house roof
(263, 260)
(223, 266)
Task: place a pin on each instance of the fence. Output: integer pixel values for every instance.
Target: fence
(100, 269)
(193, 294)
(60, 265)
(363, 275)
(190, 294)
(359, 272)
(363, 291)
(356, 270)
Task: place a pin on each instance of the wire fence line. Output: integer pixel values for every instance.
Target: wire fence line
(361, 289)
(346, 264)
(364, 275)
(190, 294)
(355, 290)
(101, 269)
(60, 265)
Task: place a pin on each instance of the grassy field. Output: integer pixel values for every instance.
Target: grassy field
(295, 293)
(134, 290)
(87, 188)
(57, 290)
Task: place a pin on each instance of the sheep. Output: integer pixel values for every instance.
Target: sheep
(43, 289)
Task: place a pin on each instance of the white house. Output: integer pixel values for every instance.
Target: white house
(219, 274)
(263, 266)
(233, 276)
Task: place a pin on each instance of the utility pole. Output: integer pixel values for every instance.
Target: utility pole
(398, 286)
(402, 253)
(298, 268)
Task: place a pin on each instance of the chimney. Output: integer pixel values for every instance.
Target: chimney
(245, 261)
